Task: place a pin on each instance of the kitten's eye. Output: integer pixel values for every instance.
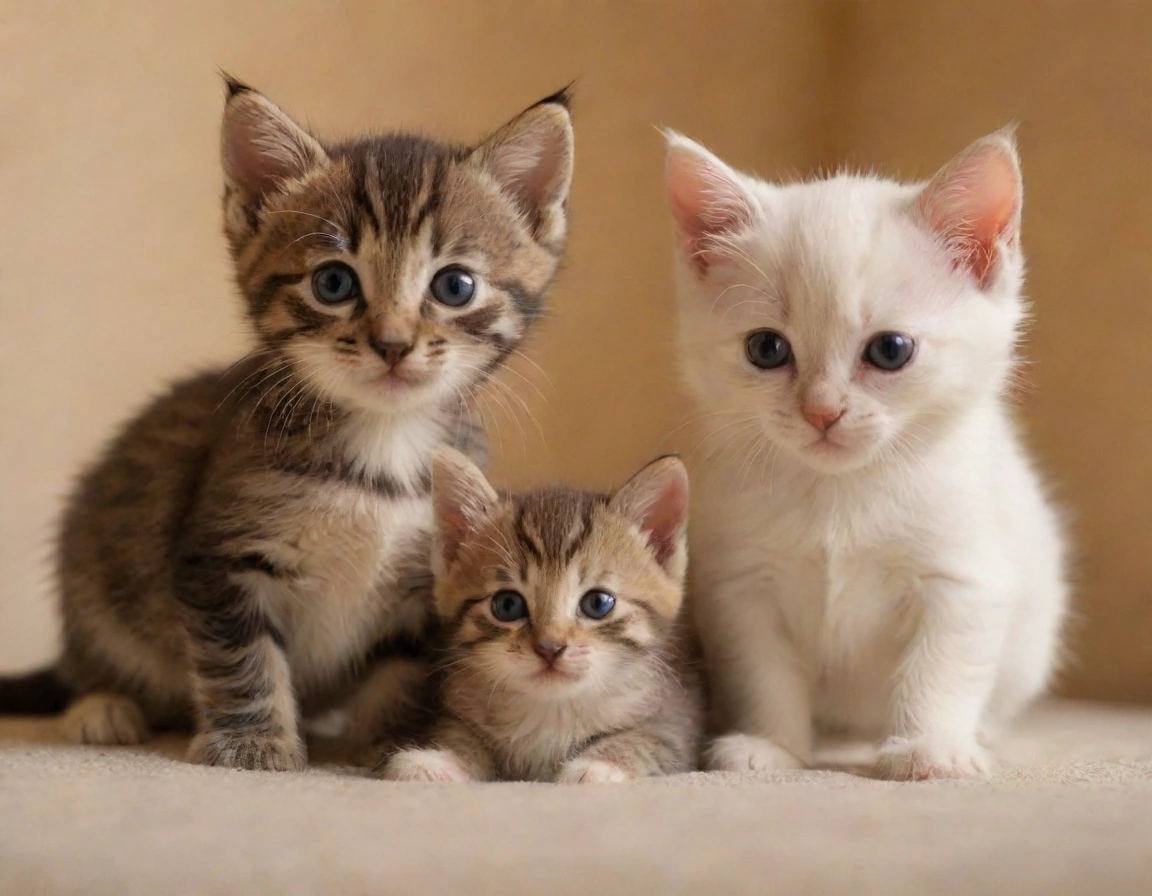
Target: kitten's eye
(509, 606)
(889, 351)
(597, 604)
(767, 349)
(335, 283)
(453, 286)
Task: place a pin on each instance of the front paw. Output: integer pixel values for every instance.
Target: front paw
(251, 752)
(745, 753)
(924, 759)
(104, 719)
(592, 771)
(424, 765)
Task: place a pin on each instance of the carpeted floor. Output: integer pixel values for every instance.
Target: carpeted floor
(1071, 812)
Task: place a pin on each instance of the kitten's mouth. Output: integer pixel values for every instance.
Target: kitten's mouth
(825, 445)
(391, 382)
(552, 675)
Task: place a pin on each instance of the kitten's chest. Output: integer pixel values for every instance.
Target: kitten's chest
(353, 556)
(851, 616)
(842, 603)
(535, 737)
(840, 567)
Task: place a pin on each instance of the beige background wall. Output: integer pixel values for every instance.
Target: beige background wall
(113, 274)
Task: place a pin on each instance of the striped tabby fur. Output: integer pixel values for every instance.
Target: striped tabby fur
(253, 548)
(561, 693)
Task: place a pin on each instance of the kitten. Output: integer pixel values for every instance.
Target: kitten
(253, 548)
(877, 554)
(559, 612)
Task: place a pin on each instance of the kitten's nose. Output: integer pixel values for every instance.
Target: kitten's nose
(393, 351)
(548, 651)
(822, 418)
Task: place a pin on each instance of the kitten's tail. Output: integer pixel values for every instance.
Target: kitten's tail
(39, 693)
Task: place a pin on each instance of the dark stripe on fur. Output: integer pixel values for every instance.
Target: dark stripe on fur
(581, 537)
(270, 288)
(342, 472)
(308, 317)
(360, 198)
(432, 200)
(221, 611)
(524, 539)
(476, 323)
(528, 303)
(467, 606)
(596, 738)
(495, 634)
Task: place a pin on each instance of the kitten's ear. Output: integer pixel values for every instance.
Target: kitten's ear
(656, 499)
(260, 146)
(461, 500)
(531, 159)
(710, 201)
(973, 204)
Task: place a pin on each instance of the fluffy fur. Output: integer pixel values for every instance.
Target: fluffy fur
(873, 551)
(557, 694)
(254, 546)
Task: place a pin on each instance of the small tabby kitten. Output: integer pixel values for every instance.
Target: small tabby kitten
(559, 613)
(878, 553)
(253, 548)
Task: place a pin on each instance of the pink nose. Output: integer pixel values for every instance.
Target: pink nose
(548, 651)
(822, 418)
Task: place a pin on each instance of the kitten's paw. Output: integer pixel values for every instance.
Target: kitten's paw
(592, 771)
(424, 765)
(926, 759)
(104, 719)
(250, 752)
(745, 753)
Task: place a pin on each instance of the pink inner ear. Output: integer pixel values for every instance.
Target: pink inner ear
(454, 528)
(973, 204)
(664, 518)
(706, 206)
(254, 170)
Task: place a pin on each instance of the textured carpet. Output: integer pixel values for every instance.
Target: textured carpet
(1070, 812)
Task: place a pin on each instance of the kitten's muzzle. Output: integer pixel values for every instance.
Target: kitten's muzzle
(548, 650)
(822, 418)
(393, 351)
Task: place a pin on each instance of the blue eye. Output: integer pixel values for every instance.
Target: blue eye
(335, 283)
(767, 349)
(509, 606)
(889, 351)
(597, 604)
(453, 286)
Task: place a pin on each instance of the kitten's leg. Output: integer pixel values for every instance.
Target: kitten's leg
(760, 691)
(242, 685)
(1031, 652)
(638, 753)
(945, 682)
(454, 754)
(387, 706)
(103, 718)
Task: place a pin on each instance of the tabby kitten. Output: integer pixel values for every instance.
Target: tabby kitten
(253, 548)
(559, 609)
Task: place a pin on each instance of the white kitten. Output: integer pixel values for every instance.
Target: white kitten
(872, 549)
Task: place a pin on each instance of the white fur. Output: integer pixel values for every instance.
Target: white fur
(425, 765)
(584, 770)
(905, 577)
